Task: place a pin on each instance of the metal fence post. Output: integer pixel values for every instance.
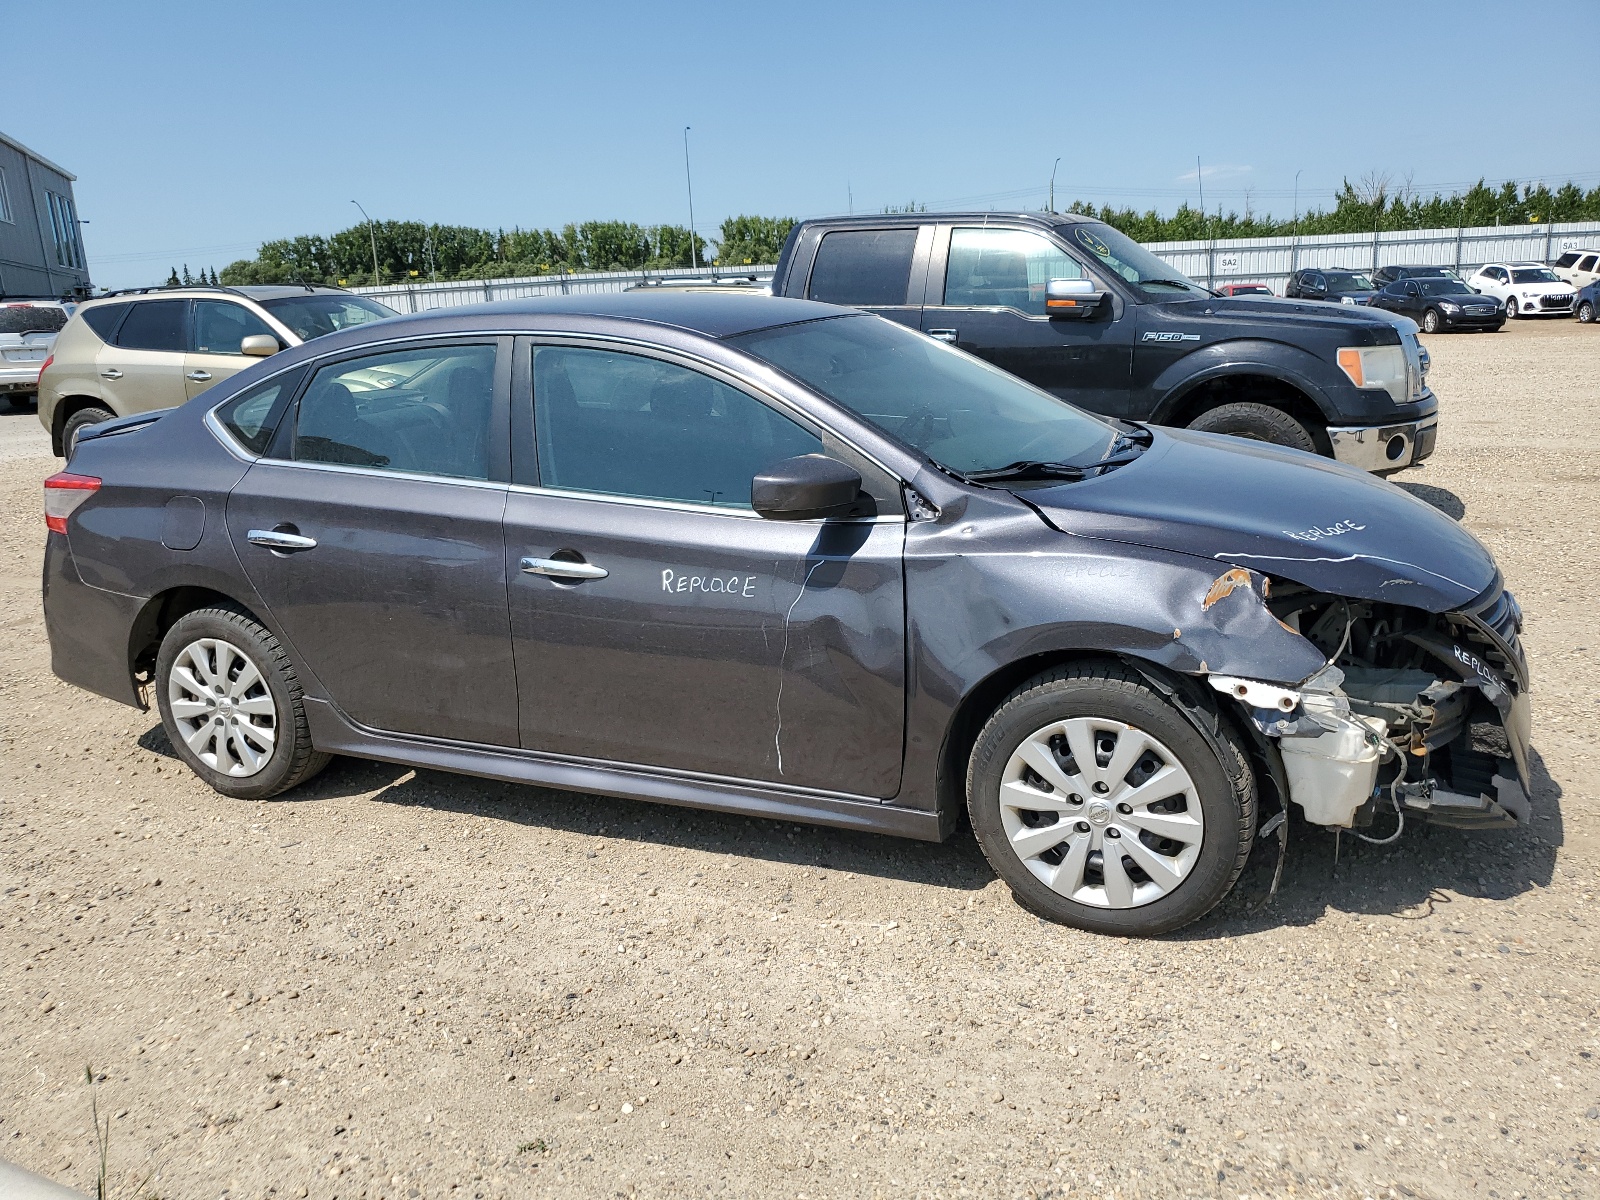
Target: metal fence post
(1549, 230)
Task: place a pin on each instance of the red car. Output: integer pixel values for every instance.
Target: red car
(1245, 289)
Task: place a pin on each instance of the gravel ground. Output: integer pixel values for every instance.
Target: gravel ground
(405, 984)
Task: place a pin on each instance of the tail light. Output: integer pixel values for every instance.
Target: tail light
(63, 492)
(45, 366)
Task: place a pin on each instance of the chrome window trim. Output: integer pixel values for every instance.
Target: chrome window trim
(380, 473)
(747, 514)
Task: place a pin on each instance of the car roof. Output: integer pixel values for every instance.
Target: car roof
(251, 291)
(713, 314)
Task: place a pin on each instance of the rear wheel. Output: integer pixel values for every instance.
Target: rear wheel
(232, 707)
(1511, 308)
(1259, 422)
(1430, 321)
(1586, 312)
(79, 421)
(1104, 808)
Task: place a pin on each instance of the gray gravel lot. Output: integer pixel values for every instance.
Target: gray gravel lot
(406, 984)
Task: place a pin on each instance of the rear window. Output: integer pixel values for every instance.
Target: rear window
(863, 268)
(103, 318)
(31, 318)
(154, 325)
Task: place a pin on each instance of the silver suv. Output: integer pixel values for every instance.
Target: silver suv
(28, 329)
(155, 348)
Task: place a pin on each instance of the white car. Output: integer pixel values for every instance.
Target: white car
(1528, 289)
(1578, 267)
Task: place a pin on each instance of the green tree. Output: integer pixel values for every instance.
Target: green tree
(752, 240)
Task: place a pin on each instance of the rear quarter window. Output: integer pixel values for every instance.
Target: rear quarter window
(103, 318)
(252, 416)
(863, 268)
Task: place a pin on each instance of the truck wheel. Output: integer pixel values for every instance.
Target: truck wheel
(1260, 422)
(1430, 321)
(92, 415)
(1104, 808)
(1586, 312)
(231, 705)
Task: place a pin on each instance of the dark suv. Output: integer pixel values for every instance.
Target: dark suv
(1335, 284)
(1387, 275)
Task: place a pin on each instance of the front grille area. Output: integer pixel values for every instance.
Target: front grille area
(1497, 608)
(1556, 302)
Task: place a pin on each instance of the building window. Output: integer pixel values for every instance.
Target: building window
(64, 224)
(5, 200)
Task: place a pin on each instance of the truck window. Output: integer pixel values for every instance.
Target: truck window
(1004, 268)
(863, 268)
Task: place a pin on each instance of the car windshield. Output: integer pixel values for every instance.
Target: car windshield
(1444, 287)
(962, 413)
(1534, 275)
(312, 315)
(31, 318)
(1348, 281)
(1121, 254)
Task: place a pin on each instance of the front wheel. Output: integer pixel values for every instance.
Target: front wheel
(78, 422)
(232, 707)
(1430, 321)
(1511, 309)
(1104, 808)
(1258, 422)
(1586, 312)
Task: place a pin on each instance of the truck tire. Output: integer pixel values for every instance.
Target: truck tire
(92, 415)
(1259, 422)
(1154, 823)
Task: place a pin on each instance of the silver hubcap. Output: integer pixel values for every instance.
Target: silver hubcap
(1101, 812)
(222, 707)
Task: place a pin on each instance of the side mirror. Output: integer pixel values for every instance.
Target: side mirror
(805, 488)
(259, 345)
(1071, 297)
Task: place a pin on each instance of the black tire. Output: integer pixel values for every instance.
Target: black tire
(1511, 308)
(92, 415)
(1258, 422)
(1224, 788)
(292, 760)
(21, 401)
(1586, 312)
(1431, 321)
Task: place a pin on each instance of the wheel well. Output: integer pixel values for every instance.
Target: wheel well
(64, 410)
(160, 613)
(1252, 389)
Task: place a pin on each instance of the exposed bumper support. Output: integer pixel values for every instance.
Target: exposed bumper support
(1383, 448)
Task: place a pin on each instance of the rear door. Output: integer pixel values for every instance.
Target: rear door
(986, 295)
(143, 367)
(372, 530)
(658, 621)
(216, 327)
(880, 270)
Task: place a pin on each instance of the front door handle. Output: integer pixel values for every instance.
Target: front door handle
(943, 335)
(111, 373)
(199, 376)
(557, 568)
(276, 539)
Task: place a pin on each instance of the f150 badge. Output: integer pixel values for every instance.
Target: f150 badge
(1154, 335)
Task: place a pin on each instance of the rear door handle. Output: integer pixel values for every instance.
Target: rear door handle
(943, 335)
(111, 373)
(198, 376)
(274, 539)
(557, 568)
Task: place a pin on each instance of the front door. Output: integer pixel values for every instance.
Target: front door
(143, 370)
(658, 621)
(993, 306)
(216, 329)
(373, 533)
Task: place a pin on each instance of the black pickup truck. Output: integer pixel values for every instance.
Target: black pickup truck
(1085, 312)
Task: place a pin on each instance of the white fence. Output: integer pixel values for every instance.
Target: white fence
(1253, 260)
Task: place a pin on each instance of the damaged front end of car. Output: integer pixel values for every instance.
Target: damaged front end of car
(1416, 713)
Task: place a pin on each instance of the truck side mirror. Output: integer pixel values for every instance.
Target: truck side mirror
(1072, 297)
(805, 488)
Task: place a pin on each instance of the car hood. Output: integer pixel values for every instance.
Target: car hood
(1280, 512)
(1280, 318)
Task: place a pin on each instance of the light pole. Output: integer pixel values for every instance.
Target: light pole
(372, 232)
(694, 255)
(1297, 202)
(1053, 185)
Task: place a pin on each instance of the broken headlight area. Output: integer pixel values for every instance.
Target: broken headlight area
(1416, 712)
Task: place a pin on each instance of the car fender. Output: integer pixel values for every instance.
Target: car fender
(1300, 369)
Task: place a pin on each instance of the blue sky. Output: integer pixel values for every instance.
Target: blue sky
(199, 130)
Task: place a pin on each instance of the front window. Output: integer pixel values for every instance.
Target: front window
(1004, 268)
(220, 325)
(1534, 275)
(1123, 256)
(1348, 281)
(314, 314)
(959, 411)
(1445, 287)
